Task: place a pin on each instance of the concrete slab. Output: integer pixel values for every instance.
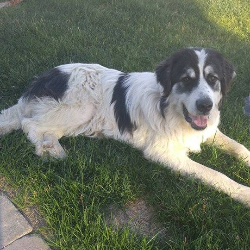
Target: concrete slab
(3, 4)
(12, 223)
(32, 242)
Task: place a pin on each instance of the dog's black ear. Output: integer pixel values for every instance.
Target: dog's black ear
(162, 72)
(228, 75)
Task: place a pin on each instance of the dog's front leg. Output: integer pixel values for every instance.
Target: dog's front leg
(230, 146)
(186, 166)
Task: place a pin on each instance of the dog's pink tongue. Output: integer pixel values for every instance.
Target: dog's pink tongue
(199, 120)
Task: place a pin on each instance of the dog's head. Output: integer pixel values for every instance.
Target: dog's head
(196, 80)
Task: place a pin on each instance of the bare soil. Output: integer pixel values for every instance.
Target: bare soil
(138, 216)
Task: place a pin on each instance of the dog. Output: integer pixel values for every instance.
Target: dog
(166, 114)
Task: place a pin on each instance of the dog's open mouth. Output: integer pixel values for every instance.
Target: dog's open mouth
(198, 122)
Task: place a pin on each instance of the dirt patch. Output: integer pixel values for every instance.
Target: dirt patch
(34, 217)
(139, 217)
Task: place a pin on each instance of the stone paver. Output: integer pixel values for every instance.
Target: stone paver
(3, 4)
(32, 242)
(14, 229)
(12, 223)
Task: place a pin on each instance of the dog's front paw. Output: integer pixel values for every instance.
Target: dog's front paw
(244, 154)
(247, 161)
(246, 158)
(243, 195)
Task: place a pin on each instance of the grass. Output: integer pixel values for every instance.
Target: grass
(131, 35)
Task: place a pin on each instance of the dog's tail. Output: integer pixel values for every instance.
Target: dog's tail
(10, 119)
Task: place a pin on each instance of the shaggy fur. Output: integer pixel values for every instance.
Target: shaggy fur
(166, 114)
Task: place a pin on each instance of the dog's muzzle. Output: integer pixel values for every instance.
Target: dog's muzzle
(198, 122)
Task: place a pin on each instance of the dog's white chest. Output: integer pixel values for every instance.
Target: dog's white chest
(192, 144)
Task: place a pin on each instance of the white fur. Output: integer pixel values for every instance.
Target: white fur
(86, 109)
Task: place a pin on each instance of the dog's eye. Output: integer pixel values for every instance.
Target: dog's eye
(186, 79)
(212, 78)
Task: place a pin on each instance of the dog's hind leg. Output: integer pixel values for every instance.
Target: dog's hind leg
(51, 146)
(46, 142)
(10, 119)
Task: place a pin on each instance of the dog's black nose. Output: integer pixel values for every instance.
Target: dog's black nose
(204, 105)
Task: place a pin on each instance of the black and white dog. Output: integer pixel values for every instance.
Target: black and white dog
(166, 114)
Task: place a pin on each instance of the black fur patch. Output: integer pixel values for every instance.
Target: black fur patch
(222, 67)
(53, 84)
(220, 104)
(119, 98)
(169, 72)
(163, 105)
(186, 87)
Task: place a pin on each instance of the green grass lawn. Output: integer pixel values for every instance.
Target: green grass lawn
(131, 35)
